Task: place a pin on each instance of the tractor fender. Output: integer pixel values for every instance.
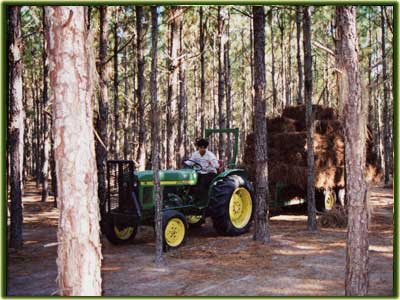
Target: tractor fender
(226, 173)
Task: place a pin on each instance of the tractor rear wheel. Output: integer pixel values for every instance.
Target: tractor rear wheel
(174, 229)
(119, 234)
(232, 205)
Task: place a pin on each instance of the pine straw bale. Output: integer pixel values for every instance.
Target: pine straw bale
(320, 112)
(281, 124)
(335, 218)
(287, 174)
(373, 174)
(329, 177)
(288, 142)
(328, 126)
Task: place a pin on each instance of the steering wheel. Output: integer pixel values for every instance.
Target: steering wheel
(195, 166)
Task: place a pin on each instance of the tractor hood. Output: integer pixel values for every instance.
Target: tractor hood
(169, 177)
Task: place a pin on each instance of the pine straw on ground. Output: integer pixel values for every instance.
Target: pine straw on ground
(335, 218)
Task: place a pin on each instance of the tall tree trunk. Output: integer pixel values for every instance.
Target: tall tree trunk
(262, 233)
(229, 107)
(299, 67)
(312, 219)
(274, 90)
(16, 121)
(172, 100)
(215, 109)
(289, 67)
(221, 78)
(244, 125)
(141, 155)
(386, 115)
(356, 283)
(116, 83)
(202, 70)
(127, 114)
(180, 149)
(71, 94)
(102, 117)
(155, 137)
(283, 62)
(252, 70)
(46, 133)
(53, 169)
(370, 100)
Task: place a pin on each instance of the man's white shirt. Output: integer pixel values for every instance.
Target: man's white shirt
(204, 161)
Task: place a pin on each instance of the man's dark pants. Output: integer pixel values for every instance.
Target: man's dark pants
(200, 190)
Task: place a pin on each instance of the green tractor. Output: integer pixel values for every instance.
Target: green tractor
(130, 200)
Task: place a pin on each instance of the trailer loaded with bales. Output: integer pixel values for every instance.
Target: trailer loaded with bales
(287, 158)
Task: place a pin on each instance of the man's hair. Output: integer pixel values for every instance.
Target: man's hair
(202, 143)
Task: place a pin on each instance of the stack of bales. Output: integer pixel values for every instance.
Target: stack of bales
(287, 148)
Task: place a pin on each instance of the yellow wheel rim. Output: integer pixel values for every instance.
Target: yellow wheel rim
(329, 200)
(174, 232)
(124, 233)
(192, 219)
(240, 207)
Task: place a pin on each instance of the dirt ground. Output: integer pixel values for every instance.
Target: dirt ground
(295, 263)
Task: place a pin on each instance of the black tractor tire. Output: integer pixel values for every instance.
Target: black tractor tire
(175, 230)
(118, 234)
(220, 205)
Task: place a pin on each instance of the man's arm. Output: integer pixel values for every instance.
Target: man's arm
(213, 160)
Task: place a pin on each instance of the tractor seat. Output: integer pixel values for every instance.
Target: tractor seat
(221, 166)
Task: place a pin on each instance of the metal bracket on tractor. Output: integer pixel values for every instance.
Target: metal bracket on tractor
(122, 200)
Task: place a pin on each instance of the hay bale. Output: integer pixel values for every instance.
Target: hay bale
(335, 218)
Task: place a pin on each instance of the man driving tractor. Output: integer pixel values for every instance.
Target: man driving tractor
(209, 164)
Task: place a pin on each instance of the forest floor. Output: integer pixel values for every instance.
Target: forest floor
(296, 262)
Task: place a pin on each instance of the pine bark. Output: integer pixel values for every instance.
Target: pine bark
(141, 154)
(172, 97)
(102, 117)
(116, 84)
(386, 113)
(79, 249)
(228, 83)
(16, 125)
(180, 145)
(244, 124)
(202, 78)
(274, 89)
(285, 100)
(46, 133)
(155, 137)
(262, 233)
(356, 282)
(127, 113)
(299, 67)
(221, 79)
(311, 211)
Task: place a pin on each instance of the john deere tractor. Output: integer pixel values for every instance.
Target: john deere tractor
(130, 200)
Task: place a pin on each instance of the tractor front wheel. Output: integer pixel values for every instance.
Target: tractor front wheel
(119, 234)
(232, 205)
(175, 229)
(195, 221)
